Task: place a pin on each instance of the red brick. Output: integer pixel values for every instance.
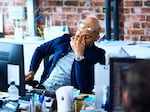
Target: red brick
(127, 38)
(55, 3)
(136, 38)
(98, 3)
(146, 10)
(121, 18)
(120, 3)
(47, 9)
(43, 3)
(121, 37)
(85, 10)
(58, 23)
(121, 23)
(98, 10)
(136, 25)
(68, 9)
(20, 3)
(136, 10)
(145, 38)
(135, 18)
(82, 3)
(121, 30)
(75, 17)
(146, 25)
(147, 3)
(71, 22)
(58, 16)
(148, 18)
(132, 3)
(71, 3)
(135, 31)
(126, 10)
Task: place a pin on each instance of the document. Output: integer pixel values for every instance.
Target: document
(13, 73)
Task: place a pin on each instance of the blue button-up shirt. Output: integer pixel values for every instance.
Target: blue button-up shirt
(82, 72)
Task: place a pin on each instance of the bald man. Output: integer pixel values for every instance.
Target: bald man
(71, 59)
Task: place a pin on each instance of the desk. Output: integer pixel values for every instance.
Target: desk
(113, 48)
(138, 49)
(26, 103)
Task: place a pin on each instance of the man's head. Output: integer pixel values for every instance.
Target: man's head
(89, 28)
(137, 93)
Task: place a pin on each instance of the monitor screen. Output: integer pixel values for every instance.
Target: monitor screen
(119, 67)
(12, 66)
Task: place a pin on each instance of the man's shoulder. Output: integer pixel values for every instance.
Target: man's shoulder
(60, 39)
(101, 50)
(65, 37)
(98, 49)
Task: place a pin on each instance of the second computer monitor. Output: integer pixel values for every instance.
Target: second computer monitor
(119, 68)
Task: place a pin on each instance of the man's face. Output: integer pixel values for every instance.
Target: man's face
(88, 29)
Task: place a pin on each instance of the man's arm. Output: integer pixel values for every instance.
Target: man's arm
(84, 69)
(39, 54)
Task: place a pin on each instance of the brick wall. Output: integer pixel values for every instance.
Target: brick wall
(70, 12)
(134, 15)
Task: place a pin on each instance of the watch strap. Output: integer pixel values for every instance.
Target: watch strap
(79, 58)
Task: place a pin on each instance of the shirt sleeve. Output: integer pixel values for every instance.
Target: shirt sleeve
(84, 71)
(39, 54)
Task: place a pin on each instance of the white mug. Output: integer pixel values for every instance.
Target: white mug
(64, 96)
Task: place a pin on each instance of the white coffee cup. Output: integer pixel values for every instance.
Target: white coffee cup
(64, 96)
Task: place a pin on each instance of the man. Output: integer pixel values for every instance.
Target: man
(136, 96)
(73, 58)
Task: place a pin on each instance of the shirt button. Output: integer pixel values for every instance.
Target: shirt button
(62, 54)
(52, 64)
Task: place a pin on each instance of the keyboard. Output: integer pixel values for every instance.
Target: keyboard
(47, 92)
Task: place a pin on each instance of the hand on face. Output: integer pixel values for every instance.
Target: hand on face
(78, 44)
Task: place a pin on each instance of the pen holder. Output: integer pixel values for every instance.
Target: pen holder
(47, 33)
(18, 33)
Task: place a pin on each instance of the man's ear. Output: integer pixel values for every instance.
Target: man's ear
(97, 38)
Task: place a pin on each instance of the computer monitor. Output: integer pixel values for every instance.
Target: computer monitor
(119, 68)
(12, 66)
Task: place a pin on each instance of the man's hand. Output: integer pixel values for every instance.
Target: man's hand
(78, 44)
(30, 76)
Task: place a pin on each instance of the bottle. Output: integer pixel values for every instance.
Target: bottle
(13, 92)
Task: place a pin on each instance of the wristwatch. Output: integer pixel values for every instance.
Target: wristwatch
(79, 58)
